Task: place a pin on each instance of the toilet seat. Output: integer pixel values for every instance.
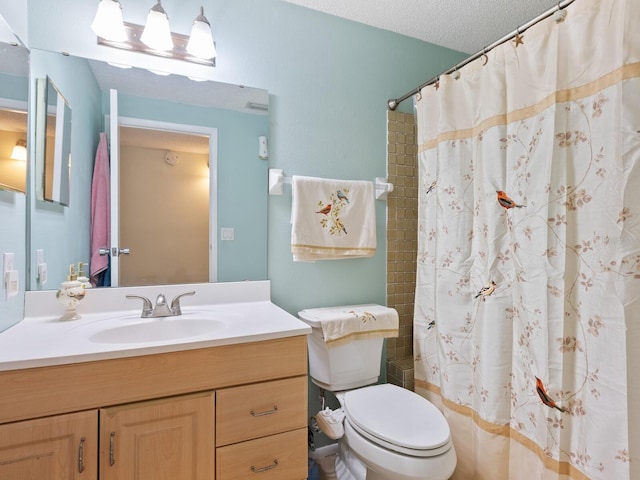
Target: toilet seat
(397, 419)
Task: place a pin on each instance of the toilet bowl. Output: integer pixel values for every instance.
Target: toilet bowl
(397, 434)
(390, 433)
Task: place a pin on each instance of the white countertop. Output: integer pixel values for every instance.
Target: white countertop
(44, 340)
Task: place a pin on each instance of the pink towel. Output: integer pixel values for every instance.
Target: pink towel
(100, 210)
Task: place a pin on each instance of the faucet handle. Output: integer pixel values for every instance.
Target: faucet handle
(147, 307)
(175, 303)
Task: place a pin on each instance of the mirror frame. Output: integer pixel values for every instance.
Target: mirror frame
(61, 148)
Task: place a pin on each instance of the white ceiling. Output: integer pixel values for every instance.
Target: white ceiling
(163, 140)
(463, 25)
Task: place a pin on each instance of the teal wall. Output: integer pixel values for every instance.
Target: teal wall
(242, 191)
(62, 231)
(329, 80)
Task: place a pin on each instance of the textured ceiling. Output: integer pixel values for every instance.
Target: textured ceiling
(463, 25)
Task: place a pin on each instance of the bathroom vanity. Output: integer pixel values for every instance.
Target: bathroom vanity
(225, 404)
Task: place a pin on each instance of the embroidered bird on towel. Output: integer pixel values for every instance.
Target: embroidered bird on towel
(487, 290)
(342, 196)
(325, 210)
(506, 202)
(340, 225)
(546, 399)
(364, 317)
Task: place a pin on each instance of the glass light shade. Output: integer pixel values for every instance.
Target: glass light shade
(108, 21)
(201, 40)
(19, 151)
(157, 34)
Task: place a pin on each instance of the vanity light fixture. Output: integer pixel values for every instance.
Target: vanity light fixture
(19, 151)
(155, 37)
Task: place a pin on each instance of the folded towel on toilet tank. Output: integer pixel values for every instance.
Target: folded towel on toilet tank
(341, 325)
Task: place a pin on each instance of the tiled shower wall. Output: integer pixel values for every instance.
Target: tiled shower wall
(402, 241)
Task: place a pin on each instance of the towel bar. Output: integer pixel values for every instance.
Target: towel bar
(277, 179)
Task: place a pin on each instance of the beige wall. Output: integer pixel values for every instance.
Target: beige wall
(402, 242)
(164, 217)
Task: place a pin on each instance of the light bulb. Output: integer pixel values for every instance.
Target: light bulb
(201, 40)
(157, 34)
(108, 21)
(19, 151)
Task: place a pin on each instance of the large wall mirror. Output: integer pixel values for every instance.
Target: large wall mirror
(238, 114)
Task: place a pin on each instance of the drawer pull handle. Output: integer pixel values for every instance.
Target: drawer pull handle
(264, 469)
(266, 412)
(81, 455)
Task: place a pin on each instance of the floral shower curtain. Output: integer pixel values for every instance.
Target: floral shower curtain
(527, 317)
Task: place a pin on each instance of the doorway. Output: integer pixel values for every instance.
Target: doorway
(163, 202)
(163, 207)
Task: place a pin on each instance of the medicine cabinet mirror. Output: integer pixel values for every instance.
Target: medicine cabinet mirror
(53, 139)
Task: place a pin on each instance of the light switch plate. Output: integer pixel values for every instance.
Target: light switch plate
(7, 263)
(227, 233)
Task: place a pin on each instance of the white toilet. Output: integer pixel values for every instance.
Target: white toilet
(390, 433)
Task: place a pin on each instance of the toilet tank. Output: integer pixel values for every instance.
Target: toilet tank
(351, 365)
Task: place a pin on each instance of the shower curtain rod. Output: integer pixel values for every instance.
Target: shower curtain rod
(392, 104)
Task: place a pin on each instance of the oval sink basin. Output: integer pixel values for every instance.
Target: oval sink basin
(156, 330)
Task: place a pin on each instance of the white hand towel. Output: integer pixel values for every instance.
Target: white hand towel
(332, 219)
(341, 325)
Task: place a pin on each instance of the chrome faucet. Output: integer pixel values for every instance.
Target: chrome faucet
(161, 309)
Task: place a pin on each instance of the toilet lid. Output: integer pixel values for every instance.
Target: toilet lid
(396, 417)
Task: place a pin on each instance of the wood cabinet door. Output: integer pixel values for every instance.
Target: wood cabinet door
(63, 447)
(164, 439)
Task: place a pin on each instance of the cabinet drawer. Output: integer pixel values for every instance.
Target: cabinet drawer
(278, 457)
(261, 409)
